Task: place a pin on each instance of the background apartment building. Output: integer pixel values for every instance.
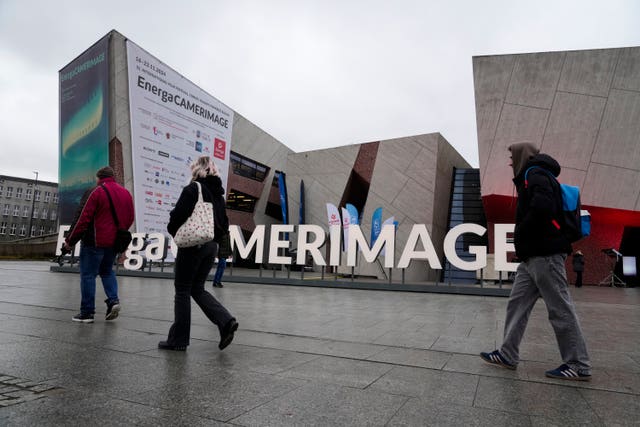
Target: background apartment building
(28, 208)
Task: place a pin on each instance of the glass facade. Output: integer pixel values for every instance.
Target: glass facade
(244, 166)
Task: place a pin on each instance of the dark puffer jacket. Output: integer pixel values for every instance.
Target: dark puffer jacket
(539, 203)
(212, 191)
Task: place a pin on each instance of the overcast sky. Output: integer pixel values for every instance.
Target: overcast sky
(313, 74)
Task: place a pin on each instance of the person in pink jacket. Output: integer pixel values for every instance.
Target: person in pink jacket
(95, 228)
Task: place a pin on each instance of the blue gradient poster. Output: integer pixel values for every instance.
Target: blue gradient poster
(84, 125)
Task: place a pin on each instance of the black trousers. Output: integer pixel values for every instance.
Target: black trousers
(191, 270)
(578, 279)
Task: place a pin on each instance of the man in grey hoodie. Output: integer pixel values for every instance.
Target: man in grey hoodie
(542, 249)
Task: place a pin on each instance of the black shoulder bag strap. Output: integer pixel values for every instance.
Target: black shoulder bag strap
(113, 210)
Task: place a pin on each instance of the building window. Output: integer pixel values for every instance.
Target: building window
(244, 166)
(276, 177)
(9, 192)
(44, 213)
(47, 196)
(16, 210)
(1, 190)
(274, 211)
(37, 193)
(5, 211)
(28, 194)
(23, 230)
(35, 213)
(238, 201)
(52, 230)
(41, 232)
(55, 197)
(12, 230)
(25, 212)
(54, 214)
(19, 193)
(33, 231)
(3, 228)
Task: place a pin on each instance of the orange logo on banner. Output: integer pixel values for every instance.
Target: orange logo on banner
(219, 147)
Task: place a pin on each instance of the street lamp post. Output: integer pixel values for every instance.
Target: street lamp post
(33, 203)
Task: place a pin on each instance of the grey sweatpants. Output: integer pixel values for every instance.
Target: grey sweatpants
(545, 277)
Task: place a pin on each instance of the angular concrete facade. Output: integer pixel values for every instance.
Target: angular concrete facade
(248, 139)
(410, 178)
(582, 108)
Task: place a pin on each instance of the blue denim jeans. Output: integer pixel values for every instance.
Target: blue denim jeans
(93, 262)
(222, 264)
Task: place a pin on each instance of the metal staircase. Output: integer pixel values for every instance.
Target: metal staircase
(466, 207)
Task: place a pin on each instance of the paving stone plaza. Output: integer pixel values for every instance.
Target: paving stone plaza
(303, 356)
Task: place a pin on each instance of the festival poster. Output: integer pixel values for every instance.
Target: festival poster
(84, 125)
(173, 122)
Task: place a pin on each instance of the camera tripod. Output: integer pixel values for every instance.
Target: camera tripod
(611, 279)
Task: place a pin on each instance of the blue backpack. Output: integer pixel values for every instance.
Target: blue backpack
(574, 222)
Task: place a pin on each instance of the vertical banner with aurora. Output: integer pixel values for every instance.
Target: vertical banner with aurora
(84, 125)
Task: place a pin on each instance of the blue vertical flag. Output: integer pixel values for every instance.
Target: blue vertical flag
(353, 214)
(376, 225)
(301, 214)
(282, 186)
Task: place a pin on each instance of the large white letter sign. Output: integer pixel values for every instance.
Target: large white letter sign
(502, 247)
(156, 249)
(385, 239)
(419, 232)
(312, 247)
(479, 251)
(334, 236)
(244, 249)
(275, 243)
(134, 261)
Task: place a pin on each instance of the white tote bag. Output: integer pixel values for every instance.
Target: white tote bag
(198, 228)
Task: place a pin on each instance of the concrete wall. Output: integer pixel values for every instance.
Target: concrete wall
(251, 141)
(119, 117)
(411, 180)
(581, 107)
(247, 139)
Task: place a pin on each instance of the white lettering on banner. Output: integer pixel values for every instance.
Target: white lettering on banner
(156, 246)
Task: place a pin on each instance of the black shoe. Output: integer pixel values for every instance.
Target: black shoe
(163, 345)
(227, 334)
(84, 318)
(564, 372)
(113, 309)
(496, 358)
(217, 285)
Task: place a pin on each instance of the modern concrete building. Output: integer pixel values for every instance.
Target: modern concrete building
(410, 178)
(582, 108)
(28, 208)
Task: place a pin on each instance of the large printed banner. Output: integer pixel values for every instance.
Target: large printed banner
(173, 122)
(84, 125)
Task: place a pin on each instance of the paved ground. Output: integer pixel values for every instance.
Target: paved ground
(302, 356)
